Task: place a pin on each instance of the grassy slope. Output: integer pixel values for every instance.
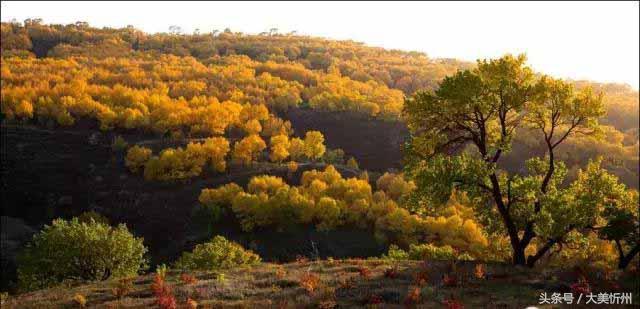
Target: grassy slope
(268, 287)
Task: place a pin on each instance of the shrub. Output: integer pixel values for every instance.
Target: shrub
(478, 271)
(192, 304)
(421, 252)
(137, 157)
(452, 304)
(309, 282)
(122, 288)
(163, 293)
(219, 253)
(161, 271)
(431, 252)
(79, 300)
(188, 279)
(364, 272)
(395, 253)
(119, 144)
(421, 277)
(450, 280)
(334, 156)
(391, 272)
(74, 250)
(292, 167)
(352, 163)
(413, 296)
(87, 216)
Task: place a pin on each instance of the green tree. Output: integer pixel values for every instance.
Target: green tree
(460, 131)
(616, 206)
(74, 250)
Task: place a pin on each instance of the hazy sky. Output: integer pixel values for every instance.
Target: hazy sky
(590, 40)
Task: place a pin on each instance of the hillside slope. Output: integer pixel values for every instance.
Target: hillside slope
(340, 284)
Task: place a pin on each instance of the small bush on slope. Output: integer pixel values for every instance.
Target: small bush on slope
(219, 253)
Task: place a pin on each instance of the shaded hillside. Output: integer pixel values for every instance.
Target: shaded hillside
(62, 173)
(376, 144)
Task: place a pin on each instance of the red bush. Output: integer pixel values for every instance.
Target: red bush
(452, 304)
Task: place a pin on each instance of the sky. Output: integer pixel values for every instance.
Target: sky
(579, 40)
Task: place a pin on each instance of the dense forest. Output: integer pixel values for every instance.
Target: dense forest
(277, 141)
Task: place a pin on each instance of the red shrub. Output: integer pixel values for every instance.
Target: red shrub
(421, 278)
(163, 293)
(581, 287)
(364, 272)
(166, 302)
(452, 304)
(450, 280)
(413, 297)
(309, 282)
(188, 279)
(375, 299)
(391, 272)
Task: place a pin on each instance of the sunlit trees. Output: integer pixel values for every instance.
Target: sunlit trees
(137, 157)
(247, 150)
(296, 149)
(314, 145)
(483, 108)
(214, 150)
(394, 185)
(608, 207)
(173, 164)
(276, 126)
(329, 201)
(74, 250)
(279, 148)
(179, 163)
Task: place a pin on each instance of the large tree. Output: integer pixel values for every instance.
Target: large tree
(460, 131)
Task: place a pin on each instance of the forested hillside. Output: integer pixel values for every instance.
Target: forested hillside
(299, 146)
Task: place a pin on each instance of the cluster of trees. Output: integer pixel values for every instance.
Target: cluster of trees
(461, 131)
(289, 56)
(173, 164)
(406, 71)
(142, 91)
(179, 163)
(328, 201)
(89, 249)
(117, 94)
(173, 81)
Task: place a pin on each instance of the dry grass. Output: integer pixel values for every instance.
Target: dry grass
(336, 284)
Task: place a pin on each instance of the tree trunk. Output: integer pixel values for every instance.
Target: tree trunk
(518, 256)
(626, 259)
(512, 231)
(531, 261)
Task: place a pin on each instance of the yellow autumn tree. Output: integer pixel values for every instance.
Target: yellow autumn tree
(247, 150)
(314, 145)
(137, 157)
(279, 148)
(296, 149)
